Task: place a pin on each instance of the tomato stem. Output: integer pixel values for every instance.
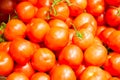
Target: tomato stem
(118, 14)
(78, 34)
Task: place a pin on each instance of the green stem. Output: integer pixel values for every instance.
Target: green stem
(118, 14)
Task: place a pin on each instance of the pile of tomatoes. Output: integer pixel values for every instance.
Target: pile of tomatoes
(60, 40)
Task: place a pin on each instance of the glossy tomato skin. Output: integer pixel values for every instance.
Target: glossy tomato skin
(17, 76)
(56, 38)
(43, 60)
(21, 50)
(37, 29)
(113, 2)
(113, 41)
(95, 7)
(112, 17)
(93, 73)
(4, 46)
(15, 28)
(71, 55)
(40, 76)
(6, 63)
(63, 72)
(25, 69)
(26, 11)
(83, 18)
(77, 6)
(62, 11)
(42, 3)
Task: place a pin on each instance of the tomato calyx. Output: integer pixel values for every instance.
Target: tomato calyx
(118, 14)
(2, 27)
(55, 2)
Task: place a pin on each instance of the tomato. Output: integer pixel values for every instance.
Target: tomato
(69, 21)
(17, 76)
(37, 29)
(43, 60)
(71, 55)
(84, 18)
(15, 28)
(40, 76)
(63, 72)
(93, 73)
(56, 38)
(58, 23)
(77, 7)
(95, 55)
(25, 69)
(97, 41)
(113, 2)
(95, 7)
(25, 11)
(99, 30)
(7, 6)
(6, 63)
(100, 19)
(112, 17)
(71, 34)
(4, 46)
(114, 44)
(43, 13)
(42, 3)
(59, 11)
(83, 38)
(21, 50)
(114, 78)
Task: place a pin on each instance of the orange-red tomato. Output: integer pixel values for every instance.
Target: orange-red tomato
(37, 29)
(71, 55)
(40, 76)
(25, 69)
(63, 72)
(43, 60)
(17, 76)
(6, 64)
(15, 28)
(56, 38)
(21, 50)
(4, 46)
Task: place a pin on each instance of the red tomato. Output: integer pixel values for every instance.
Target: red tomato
(113, 2)
(95, 7)
(40, 76)
(56, 38)
(15, 28)
(71, 55)
(4, 46)
(25, 69)
(21, 50)
(42, 3)
(43, 60)
(83, 18)
(77, 7)
(63, 72)
(93, 73)
(100, 19)
(25, 11)
(83, 38)
(37, 29)
(6, 64)
(112, 16)
(17, 76)
(95, 55)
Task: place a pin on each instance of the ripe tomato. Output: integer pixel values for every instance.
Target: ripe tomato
(71, 33)
(4, 46)
(114, 44)
(7, 6)
(100, 19)
(6, 64)
(99, 30)
(42, 3)
(25, 11)
(56, 38)
(17, 76)
(15, 28)
(95, 55)
(93, 73)
(37, 29)
(71, 55)
(113, 2)
(77, 7)
(63, 72)
(21, 50)
(58, 23)
(114, 78)
(43, 60)
(59, 11)
(83, 38)
(25, 69)
(112, 17)
(40, 76)
(43, 13)
(95, 7)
